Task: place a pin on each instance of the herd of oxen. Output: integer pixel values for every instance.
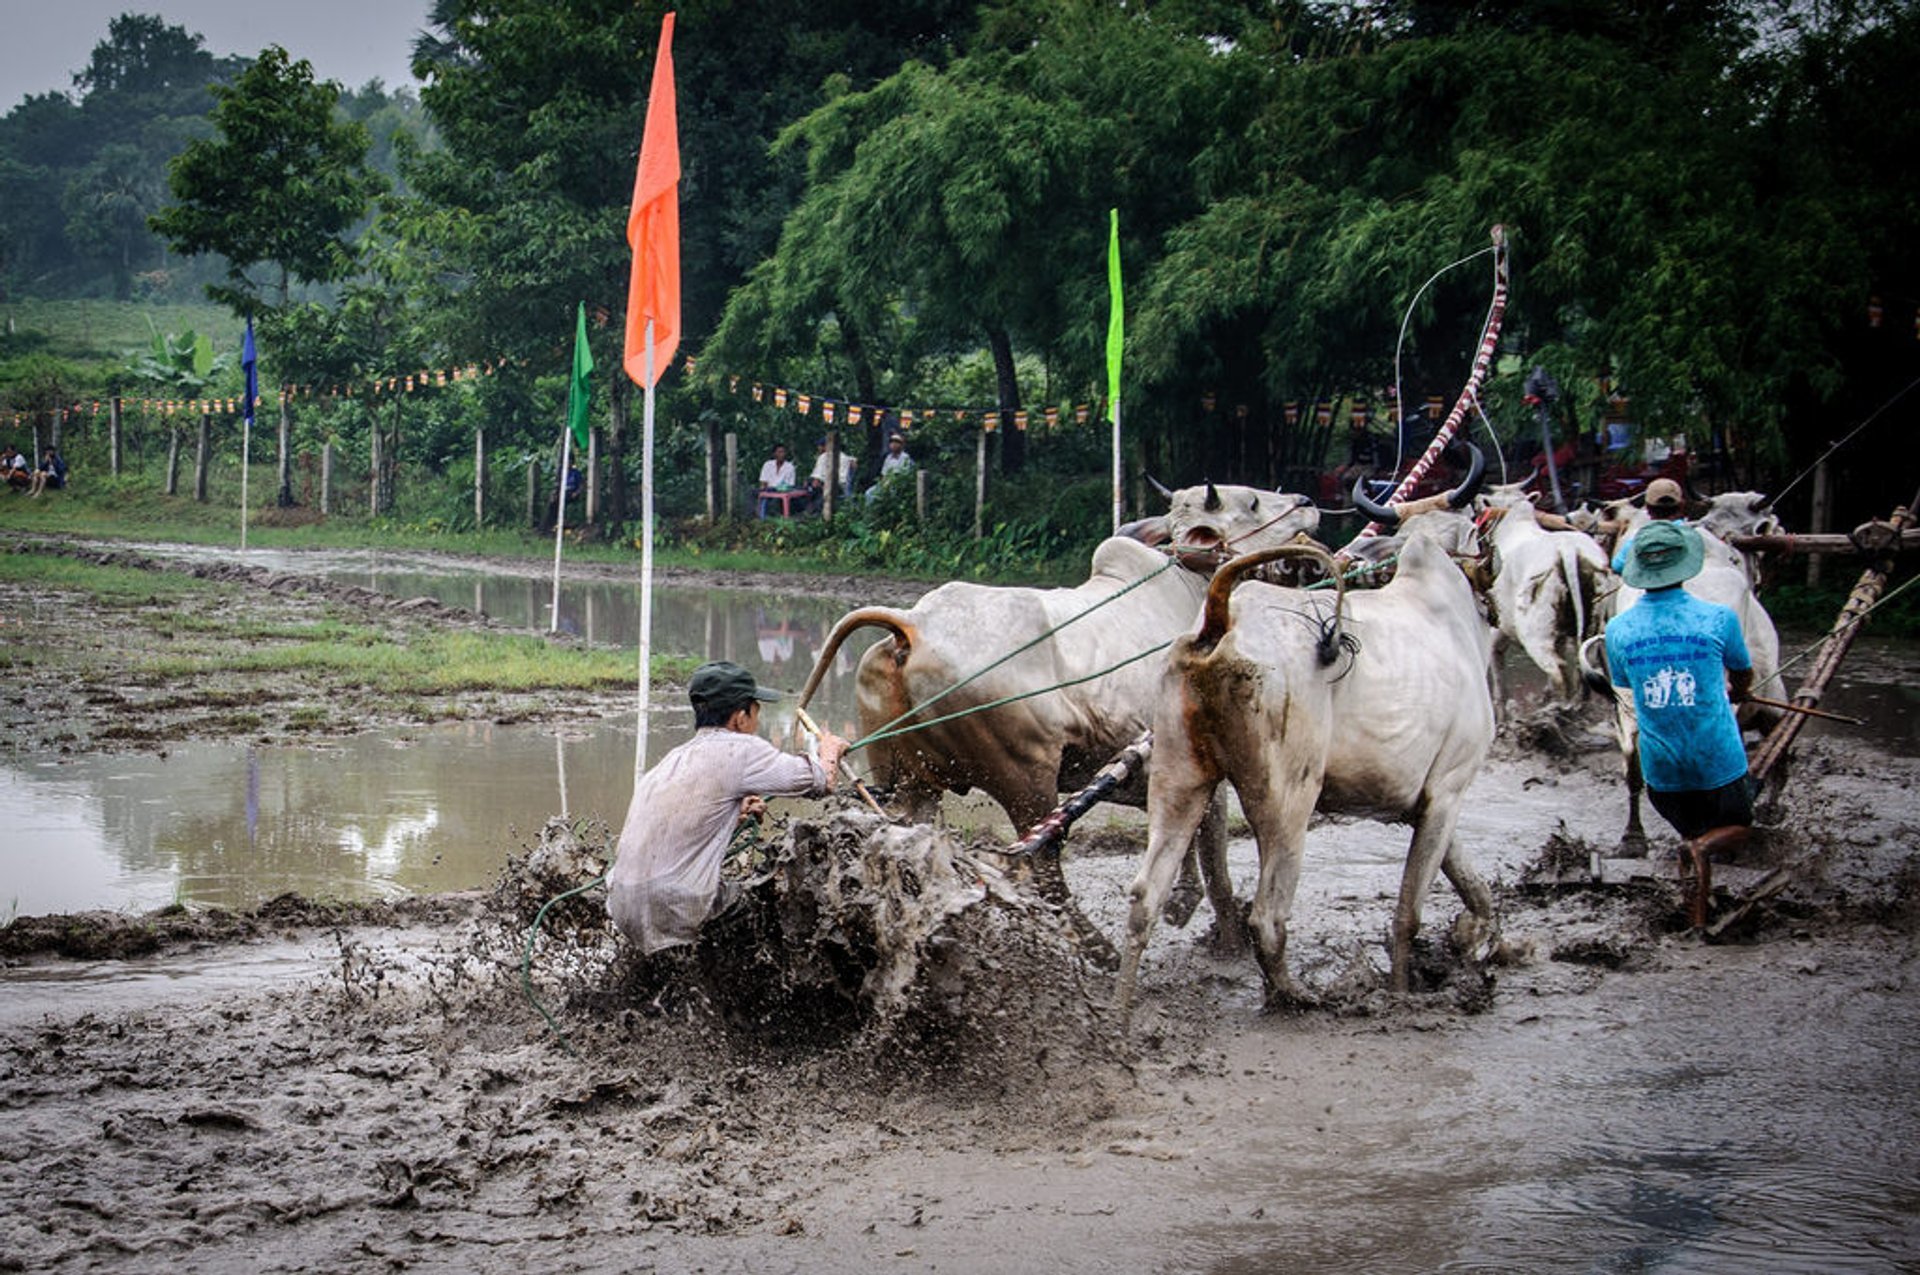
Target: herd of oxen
(1362, 681)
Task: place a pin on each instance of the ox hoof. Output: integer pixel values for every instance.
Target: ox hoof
(1633, 845)
(1181, 904)
(1229, 936)
(1292, 998)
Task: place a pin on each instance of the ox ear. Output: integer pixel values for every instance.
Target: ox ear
(1533, 498)
(1213, 498)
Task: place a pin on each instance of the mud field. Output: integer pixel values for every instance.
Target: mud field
(368, 1087)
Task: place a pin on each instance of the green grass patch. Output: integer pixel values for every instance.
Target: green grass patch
(122, 584)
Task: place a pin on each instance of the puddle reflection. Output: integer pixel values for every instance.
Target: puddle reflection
(231, 824)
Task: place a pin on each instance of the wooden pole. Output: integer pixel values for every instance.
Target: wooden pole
(830, 490)
(284, 497)
(326, 478)
(533, 494)
(1821, 520)
(1873, 581)
(733, 470)
(479, 477)
(590, 515)
(113, 437)
(710, 441)
(204, 446)
(173, 460)
(373, 467)
(980, 487)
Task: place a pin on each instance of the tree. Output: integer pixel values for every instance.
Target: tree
(281, 183)
(107, 204)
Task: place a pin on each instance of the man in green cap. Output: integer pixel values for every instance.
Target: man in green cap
(666, 881)
(1687, 665)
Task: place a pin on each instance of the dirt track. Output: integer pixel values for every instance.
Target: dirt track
(328, 1090)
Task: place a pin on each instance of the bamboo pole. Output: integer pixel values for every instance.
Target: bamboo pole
(1873, 581)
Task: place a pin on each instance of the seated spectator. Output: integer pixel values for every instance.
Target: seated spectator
(817, 480)
(52, 473)
(776, 475)
(14, 468)
(896, 461)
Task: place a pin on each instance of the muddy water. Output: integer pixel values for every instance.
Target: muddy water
(220, 823)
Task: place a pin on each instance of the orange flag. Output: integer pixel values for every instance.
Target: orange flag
(653, 227)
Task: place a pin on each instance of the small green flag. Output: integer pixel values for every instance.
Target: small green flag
(579, 394)
(1116, 321)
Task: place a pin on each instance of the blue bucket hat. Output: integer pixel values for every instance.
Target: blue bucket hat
(1663, 554)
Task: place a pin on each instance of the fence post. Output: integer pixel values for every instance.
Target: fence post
(200, 457)
(326, 478)
(980, 487)
(373, 467)
(593, 477)
(712, 471)
(284, 497)
(830, 490)
(479, 478)
(733, 469)
(533, 492)
(113, 437)
(1821, 517)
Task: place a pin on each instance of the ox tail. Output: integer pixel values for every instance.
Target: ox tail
(1593, 665)
(1216, 617)
(888, 618)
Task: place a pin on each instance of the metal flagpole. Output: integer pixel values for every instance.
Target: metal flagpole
(1119, 500)
(560, 518)
(646, 563)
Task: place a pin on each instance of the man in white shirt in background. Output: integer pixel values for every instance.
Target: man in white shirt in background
(777, 474)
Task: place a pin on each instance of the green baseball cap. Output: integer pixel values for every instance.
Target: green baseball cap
(1663, 554)
(726, 685)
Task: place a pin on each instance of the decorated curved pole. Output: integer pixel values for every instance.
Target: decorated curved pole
(1482, 361)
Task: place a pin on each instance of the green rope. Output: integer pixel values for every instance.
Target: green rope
(893, 728)
(885, 733)
(886, 729)
(526, 957)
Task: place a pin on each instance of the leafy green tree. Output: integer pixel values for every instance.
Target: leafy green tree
(280, 185)
(107, 204)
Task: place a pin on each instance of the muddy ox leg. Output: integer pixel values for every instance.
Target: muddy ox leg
(1210, 848)
(1280, 826)
(1476, 928)
(1432, 846)
(1178, 798)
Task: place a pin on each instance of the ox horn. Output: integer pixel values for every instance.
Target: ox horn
(1758, 503)
(1385, 515)
(1463, 495)
(1213, 497)
(1164, 492)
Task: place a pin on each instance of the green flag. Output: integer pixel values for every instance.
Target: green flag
(579, 395)
(1116, 321)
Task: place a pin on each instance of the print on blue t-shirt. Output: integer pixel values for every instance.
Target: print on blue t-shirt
(1674, 651)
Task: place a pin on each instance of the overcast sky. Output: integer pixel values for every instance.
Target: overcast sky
(43, 42)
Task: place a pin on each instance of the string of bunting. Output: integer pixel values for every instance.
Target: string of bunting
(378, 387)
(834, 411)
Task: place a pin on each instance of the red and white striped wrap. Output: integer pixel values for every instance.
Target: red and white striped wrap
(1482, 360)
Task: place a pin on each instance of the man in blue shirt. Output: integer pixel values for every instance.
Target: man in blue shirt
(1687, 665)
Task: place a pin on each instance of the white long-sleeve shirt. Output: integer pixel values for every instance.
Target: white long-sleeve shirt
(666, 871)
(778, 475)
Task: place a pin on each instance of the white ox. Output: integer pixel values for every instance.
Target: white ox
(1741, 513)
(1383, 713)
(1024, 754)
(1724, 578)
(1545, 583)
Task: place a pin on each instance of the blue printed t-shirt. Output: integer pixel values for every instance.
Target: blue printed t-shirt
(1674, 651)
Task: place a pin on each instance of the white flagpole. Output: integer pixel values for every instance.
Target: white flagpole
(646, 563)
(560, 518)
(246, 446)
(1119, 495)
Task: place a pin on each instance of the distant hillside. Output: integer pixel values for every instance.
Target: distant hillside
(106, 331)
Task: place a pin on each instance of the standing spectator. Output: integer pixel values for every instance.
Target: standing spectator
(896, 461)
(51, 474)
(777, 474)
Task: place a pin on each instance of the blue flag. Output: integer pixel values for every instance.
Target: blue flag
(250, 364)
